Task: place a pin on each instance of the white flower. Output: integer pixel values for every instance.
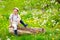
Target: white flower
(49, 10)
(3, 6)
(52, 20)
(36, 18)
(40, 11)
(44, 22)
(27, 2)
(23, 13)
(56, 3)
(8, 38)
(50, 34)
(52, 1)
(57, 29)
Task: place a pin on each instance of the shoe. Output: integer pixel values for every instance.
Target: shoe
(15, 32)
(25, 25)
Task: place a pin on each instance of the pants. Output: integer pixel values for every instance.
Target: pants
(14, 25)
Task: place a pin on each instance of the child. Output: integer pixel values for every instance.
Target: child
(15, 20)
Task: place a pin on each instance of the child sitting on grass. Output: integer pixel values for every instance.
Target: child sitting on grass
(15, 20)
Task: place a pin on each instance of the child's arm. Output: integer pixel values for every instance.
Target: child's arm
(10, 19)
(19, 19)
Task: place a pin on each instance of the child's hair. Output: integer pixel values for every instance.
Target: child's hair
(16, 8)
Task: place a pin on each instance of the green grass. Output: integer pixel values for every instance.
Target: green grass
(36, 13)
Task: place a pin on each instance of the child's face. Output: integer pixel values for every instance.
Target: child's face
(15, 11)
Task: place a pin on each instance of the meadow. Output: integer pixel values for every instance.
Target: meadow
(36, 13)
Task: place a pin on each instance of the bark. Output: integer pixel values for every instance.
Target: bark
(23, 30)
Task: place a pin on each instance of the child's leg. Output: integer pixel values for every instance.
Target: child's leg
(15, 28)
(15, 32)
(23, 23)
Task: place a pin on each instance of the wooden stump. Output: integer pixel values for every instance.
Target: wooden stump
(23, 30)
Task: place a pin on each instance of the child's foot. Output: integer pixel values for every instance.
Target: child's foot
(25, 25)
(15, 32)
